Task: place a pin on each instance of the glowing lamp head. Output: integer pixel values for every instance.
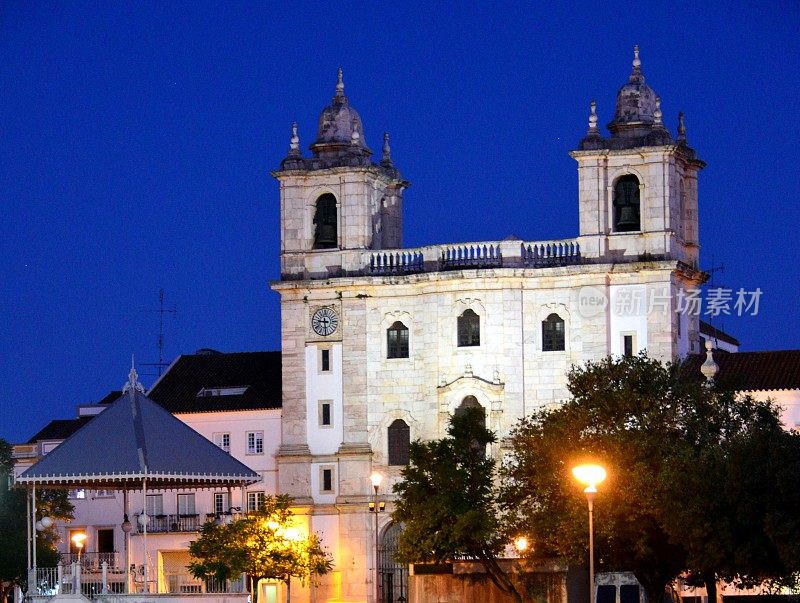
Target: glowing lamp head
(521, 543)
(78, 539)
(590, 475)
(47, 521)
(376, 479)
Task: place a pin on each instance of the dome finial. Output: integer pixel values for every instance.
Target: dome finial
(294, 141)
(387, 151)
(637, 62)
(657, 115)
(340, 84)
(681, 128)
(592, 117)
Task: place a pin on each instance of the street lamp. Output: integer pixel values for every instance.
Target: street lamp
(78, 540)
(376, 479)
(521, 544)
(590, 475)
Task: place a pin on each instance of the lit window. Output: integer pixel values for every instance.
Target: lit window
(399, 436)
(78, 493)
(469, 329)
(397, 341)
(255, 442)
(553, 334)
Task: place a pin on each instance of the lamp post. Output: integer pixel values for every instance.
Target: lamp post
(590, 475)
(376, 479)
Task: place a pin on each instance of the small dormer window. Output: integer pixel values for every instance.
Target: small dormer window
(325, 223)
(208, 392)
(626, 205)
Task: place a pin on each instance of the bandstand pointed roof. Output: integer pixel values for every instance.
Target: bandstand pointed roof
(134, 440)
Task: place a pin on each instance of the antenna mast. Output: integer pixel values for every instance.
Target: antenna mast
(161, 364)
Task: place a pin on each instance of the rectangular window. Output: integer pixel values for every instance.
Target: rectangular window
(255, 442)
(221, 503)
(186, 504)
(326, 480)
(104, 494)
(255, 500)
(223, 440)
(628, 344)
(325, 413)
(325, 361)
(78, 493)
(154, 505)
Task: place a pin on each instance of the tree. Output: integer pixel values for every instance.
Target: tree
(687, 486)
(13, 526)
(448, 501)
(262, 544)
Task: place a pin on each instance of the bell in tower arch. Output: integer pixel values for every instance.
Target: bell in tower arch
(325, 223)
(626, 205)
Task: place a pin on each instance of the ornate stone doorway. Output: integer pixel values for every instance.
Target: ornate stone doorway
(393, 575)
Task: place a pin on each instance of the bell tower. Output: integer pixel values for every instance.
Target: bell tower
(638, 187)
(337, 203)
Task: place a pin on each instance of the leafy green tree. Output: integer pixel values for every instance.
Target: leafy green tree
(693, 472)
(262, 544)
(448, 501)
(13, 526)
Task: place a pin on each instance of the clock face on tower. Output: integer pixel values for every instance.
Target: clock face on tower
(324, 321)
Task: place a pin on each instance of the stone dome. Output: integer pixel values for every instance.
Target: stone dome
(636, 103)
(340, 129)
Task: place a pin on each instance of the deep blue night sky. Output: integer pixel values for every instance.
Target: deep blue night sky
(137, 141)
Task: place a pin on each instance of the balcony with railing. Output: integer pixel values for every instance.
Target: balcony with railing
(463, 256)
(172, 523)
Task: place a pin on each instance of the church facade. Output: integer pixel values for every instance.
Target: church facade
(381, 344)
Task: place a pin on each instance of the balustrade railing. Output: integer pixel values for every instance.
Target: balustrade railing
(494, 254)
(172, 523)
(90, 561)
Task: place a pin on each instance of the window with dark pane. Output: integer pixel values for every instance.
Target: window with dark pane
(470, 403)
(326, 360)
(325, 226)
(469, 329)
(627, 345)
(553, 334)
(399, 442)
(397, 341)
(626, 204)
(327, 480)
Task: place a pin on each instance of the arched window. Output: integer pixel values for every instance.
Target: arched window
(325, 228)
(626, 205)
(469, 329)
(399, 441)
(553, 334)
(397, 341)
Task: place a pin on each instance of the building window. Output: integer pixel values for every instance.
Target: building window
(154, 505)
(255, 442)
(553, 334)
(326, 480)
(325, 361)
(626, 204)
(399, 441)
(255, 500)
(629, 344)
(397, 341)
(469, 329)
(221, 504)
(467, 404)
(186, 504)
(77, 493)
(325, 413)
(223, 440)
(103, 494)
(325, 227)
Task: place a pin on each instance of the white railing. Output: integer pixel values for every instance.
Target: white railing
(488, 254)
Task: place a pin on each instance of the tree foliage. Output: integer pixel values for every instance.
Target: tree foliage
(447, 500)
(696, 477)
(13, 526)
(262, 544)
